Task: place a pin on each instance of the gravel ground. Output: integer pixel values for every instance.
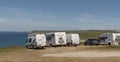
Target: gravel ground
(86, 54)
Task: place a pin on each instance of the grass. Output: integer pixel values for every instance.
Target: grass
(21, 54)
(9, 49)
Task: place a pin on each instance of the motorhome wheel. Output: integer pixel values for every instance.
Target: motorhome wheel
(109, 43)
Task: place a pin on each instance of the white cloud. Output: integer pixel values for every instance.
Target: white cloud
(25, 20)
(97, 22)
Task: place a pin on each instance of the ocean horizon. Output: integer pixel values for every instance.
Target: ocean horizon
(8, 39)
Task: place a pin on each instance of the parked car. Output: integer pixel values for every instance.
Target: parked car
(91, 42)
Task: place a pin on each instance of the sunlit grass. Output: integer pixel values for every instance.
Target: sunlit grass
(21, 54)
(8, 49)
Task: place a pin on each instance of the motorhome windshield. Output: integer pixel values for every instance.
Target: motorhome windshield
(29, 40)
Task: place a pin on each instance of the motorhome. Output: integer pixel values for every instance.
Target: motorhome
(36, 41)
(109, 38)
(73, 39)
(56, 38)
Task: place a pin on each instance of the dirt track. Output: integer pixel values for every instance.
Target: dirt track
(63, 54)
(86, 54)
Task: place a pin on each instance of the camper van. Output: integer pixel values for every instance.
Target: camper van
(36, 41)
(109, 38)
(73, 39)
(56, 38)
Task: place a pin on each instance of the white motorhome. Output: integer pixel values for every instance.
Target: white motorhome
(73, 39)
(36, 41)
(56, 38)
(109, 38)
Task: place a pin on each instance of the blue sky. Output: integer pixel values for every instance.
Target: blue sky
(28, 15)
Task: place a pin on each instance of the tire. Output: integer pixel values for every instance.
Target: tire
(52, 45)
(109, 43)
(31, 47)
(75, 45)
(69, 44)
(34, 46)
(42, 47)
(85, 43)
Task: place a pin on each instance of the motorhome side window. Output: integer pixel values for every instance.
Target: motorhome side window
(29, 40)
(102, 38)
(48, 37)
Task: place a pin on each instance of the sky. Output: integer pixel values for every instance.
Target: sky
(28, 15)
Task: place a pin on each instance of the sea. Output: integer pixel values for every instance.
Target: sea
(8, 39)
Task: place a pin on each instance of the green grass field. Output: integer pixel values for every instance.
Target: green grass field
(21, 54)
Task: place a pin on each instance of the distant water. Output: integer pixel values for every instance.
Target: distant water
(12, 39)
